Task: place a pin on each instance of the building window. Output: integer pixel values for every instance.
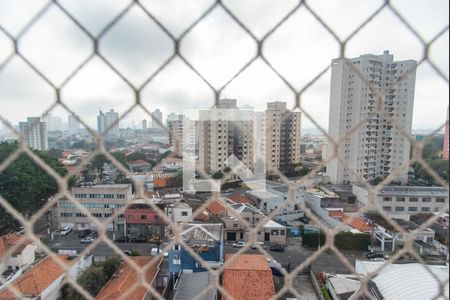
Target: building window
(412, 209)
(399, 208)
(184, 213)
(400, 199)
(440, 200)
(274, 232)
(426, 199)
(413, 199)
(143, 217)
(387, 208)
(235, 225)
(282, 232)
(130, 217)
(426, 209)
(387, 199)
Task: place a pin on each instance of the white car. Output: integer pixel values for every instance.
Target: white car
(254, 245)
(87, 240)
(154, 252)
(66, 230)
(239, 244)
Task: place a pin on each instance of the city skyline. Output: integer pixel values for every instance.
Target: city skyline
(179, 88)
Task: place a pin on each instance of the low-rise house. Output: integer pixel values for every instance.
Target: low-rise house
(236, 229)
(357, 223)
(125, 278)
(206, 240)
(191, 285)
(16, 252)
(178, 212)
(141, 219)
(139, 166)
(44, 279)
(171, 164)
(403, 201)
(248, 276)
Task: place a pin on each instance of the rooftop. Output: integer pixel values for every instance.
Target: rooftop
(424, 191)
(406, 281)
(125, 277)
(190, 285)
(33, 282)
(240, 198)
(139, 162)
(201, 232)
(105, 186)
(248, 277)
(10, 240)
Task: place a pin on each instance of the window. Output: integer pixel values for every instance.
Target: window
(130, 217)
(143, 217)
(426, 199)
(440, 200)
(274, 232)
(235, 225)
(184, 213)
(426, 209)
(400, 199)
(413, 199)
(282, 232)
(387, 208)
(387, 199)
(412, 208)
(399, 208)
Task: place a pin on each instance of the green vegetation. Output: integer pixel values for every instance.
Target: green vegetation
(25, 185)
(343, 240)
(432, 154)
(325, 293)
(136, 156)
(93, 279)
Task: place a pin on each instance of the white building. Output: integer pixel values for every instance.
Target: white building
(22, 256)
(105, 120)
(376, 148)
(404, 201)
(74, 125)
(35, 133)
(157, 114)
(179, 212)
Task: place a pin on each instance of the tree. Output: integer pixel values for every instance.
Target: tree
(24, 184)
(176, 181)
(136, 156)
(217, 175)
(110, 266)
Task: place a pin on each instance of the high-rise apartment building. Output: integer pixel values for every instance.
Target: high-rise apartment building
(446, 141)
(35, 133)
(283, 136)
(105, 120)
(74, 125)
(53, 122)
(222, 131)
(144, 125)
(157, 114)
(377, 148)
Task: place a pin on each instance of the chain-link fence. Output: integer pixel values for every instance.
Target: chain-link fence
(62, 182)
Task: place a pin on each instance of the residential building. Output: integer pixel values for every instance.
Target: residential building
(44, 279)
(283, 136)
(178, 212)
(206, 240)
(248, 277)
(235, 229)
(175, 126)
(144, 125)
(157, 115)
(377, 148)
(171, 164)
(54, 123)
(74, 125)
(223, 131)
(126, 278)
(141, 219)
(445, 150)
(101, 201)
(107, 120)
(35, 133)
(22, 256)
(404, 201)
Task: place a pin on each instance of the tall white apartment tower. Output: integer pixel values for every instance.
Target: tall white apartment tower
(157, 114)
(74, 125)
(105, 120)
(35, 133)
(376, 148)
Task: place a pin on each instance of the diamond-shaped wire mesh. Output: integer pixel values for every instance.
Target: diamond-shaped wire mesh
(95, 48)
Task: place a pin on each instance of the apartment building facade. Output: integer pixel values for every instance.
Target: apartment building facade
(102, 201)
(377, 147)
(35, 133)
(105, 120)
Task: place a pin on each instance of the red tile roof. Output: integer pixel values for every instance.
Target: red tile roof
(248, 277)
(240, 198)
(337, 214)
(216, 207)
(358, 223)
(33, 282)
(138, 162)
(126, 276)
(10, 240)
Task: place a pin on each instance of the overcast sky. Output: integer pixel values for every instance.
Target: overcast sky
(300, 49)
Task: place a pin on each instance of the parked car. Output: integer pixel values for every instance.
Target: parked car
(277, 248)
(239, 244)
(228, 191)
(139, 239)
(154, 252)
(254, 245)
(84, 233)
(87, 240)
(304, 220)
(122, 239)
(127, 252)
(66, 230)
(372, 255)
